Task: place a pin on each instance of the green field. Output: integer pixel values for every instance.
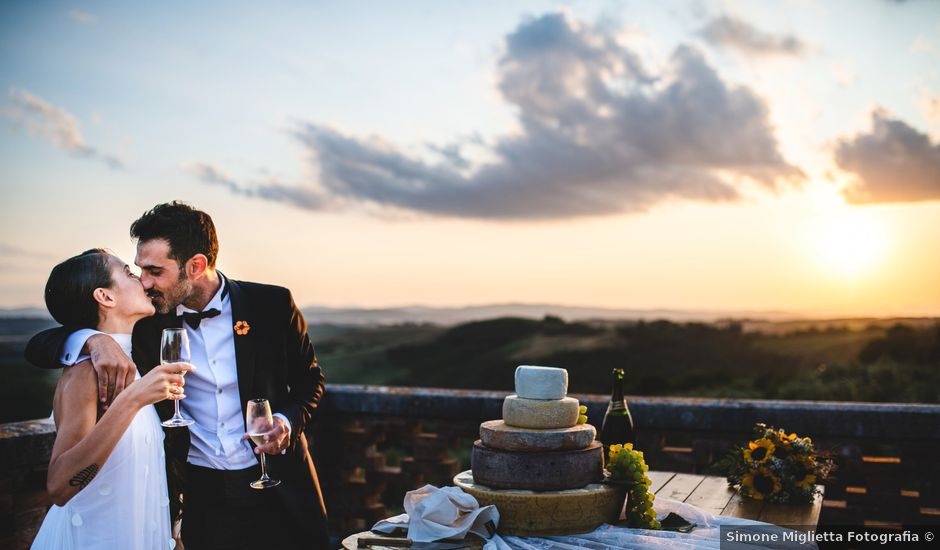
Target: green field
(854, 360)
(26, 392)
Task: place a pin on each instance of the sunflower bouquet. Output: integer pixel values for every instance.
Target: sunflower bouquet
(776, 466)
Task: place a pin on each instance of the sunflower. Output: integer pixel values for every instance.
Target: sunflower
(807, 481)
(761, 483)
(805, 475)
(776, 465)
(759, 451)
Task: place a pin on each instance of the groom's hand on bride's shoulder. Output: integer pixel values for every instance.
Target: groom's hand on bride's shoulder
(114, 368)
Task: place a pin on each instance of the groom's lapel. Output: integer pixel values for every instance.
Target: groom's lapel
(146, 343)
(146, 339)
(246, 342)
(170, 320)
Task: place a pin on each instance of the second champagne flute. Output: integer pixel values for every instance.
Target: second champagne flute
(258, 420)
(174, 348)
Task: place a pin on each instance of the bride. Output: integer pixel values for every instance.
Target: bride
(107, 475)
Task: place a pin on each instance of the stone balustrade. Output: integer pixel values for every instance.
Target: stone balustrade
(374, 443)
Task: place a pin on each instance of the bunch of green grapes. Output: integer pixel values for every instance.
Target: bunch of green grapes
(627, 466)
(582, 414)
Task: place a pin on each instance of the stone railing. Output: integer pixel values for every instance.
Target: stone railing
(374, 443)
(25, 448)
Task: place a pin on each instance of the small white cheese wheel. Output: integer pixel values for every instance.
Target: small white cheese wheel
(540, 413)
(541, 382)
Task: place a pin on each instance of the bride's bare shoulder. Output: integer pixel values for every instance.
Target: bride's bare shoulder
(78, 383)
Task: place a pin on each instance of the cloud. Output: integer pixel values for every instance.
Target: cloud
(931, 107)
(82, 17)
(268, 189)
(57, 125)
(735, 33)
(844, 74)
(922, 44)
(600, 134)
(9, 251)
(892, 163)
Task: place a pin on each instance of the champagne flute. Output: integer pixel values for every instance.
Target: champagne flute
(259, 421)
(174, 348)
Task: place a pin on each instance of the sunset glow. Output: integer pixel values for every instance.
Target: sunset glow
(716, 155)
(850, 243)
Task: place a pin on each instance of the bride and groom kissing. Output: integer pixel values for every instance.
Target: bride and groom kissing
(117, 480)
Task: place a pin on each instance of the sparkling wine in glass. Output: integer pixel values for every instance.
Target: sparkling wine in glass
(174, 348)
(258, 421)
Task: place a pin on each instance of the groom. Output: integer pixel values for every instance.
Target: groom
(248, 341)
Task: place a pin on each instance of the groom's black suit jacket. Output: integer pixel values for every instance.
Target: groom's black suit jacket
(275, 360)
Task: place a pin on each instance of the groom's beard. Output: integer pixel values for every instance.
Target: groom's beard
(159, 302)
(165, 302)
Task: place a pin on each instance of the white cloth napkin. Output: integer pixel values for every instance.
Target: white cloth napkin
(433, 513)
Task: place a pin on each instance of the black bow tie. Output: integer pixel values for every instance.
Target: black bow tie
(193, 319)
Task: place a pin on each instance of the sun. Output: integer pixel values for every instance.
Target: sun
(849, 242)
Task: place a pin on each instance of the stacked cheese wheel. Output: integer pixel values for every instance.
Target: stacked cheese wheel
(538, 444)
(538, 465)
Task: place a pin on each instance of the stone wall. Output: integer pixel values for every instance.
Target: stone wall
(374, 443)
(25, 448)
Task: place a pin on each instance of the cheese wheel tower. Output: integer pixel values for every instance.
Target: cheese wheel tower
(538, 445)
(538, 458)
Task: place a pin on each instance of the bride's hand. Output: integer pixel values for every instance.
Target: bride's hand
(163, 382)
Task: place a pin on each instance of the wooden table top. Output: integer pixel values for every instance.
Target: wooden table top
(710, 493)
(713, 495)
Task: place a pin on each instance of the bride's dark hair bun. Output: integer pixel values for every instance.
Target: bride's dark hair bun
(71, 285)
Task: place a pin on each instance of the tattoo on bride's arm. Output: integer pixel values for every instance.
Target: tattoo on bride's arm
(84, 477)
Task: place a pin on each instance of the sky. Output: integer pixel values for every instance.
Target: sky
(720, 155)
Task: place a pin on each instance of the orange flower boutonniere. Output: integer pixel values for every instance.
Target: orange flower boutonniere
(242, 328)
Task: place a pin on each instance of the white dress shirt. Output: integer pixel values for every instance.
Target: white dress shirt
(212, 398)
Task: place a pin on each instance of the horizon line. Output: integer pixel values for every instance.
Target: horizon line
(778, 314)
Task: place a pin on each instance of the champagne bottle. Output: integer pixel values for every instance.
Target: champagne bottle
(617, 427)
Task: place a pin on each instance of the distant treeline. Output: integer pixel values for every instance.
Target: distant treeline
(900, 363)
(845, 362)
(26, 391)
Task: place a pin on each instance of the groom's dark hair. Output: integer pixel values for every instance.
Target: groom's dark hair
(187, 230)
(71, 285)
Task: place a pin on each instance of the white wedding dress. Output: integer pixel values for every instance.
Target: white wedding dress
(126, 505)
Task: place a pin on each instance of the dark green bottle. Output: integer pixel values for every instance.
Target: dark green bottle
(617, 427)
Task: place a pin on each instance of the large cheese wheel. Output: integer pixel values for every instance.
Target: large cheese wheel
(497, 434)
(531, 514)
(537, 413)
(541, 471)
(541, 382)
